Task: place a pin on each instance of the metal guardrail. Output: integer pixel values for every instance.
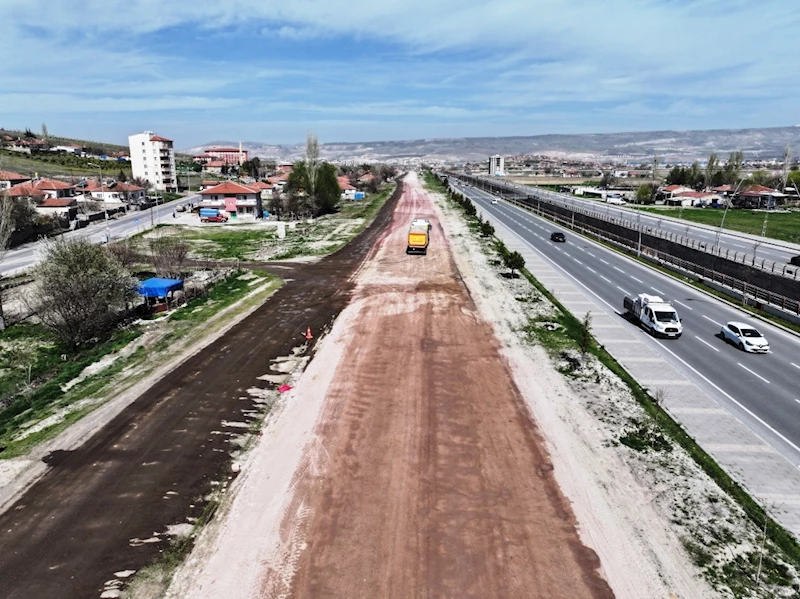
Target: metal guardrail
(778, 268)
(756, 294)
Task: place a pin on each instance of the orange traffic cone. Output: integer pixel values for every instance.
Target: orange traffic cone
(308, 334)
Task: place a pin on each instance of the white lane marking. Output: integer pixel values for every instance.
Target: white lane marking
(637, 280)
(622, 290)
(590, 253)
(684, 305)
(712, 320)
(590, 268)
(619, 269)
(605, 279)
(662, 347)
(658, 291)
(603, 261)
(707, 343)
(793, 364)
(578, 261)
(753, 373)
(567, 255)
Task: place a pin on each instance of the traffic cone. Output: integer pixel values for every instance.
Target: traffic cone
(308, 334)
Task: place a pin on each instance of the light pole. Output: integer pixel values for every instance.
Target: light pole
(727, 205)
(103, 197)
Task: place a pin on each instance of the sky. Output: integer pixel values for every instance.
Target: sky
(377, 70)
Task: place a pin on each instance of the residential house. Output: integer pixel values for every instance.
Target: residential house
(115, 193)
(234, 198)
(65, 208)
(758, 196)
(694, 198)
(673, 190)
(214, 166)
(48, 187)
(348, 191)
(264, 189)
(9, 179)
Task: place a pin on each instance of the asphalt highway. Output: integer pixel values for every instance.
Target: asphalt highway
(763, 390)
(763, 247)
(26, 256)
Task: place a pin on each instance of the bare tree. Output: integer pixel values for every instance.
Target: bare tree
(124, 251)
(168, 253)
(6, 228)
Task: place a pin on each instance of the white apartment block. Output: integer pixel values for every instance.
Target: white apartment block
(496, 165)
(153, 159)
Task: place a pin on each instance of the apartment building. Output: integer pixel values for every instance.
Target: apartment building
(496, 165)
(153, 159)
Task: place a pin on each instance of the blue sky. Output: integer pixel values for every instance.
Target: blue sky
(355, 70)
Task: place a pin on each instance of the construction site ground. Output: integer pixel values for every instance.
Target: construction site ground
(418, 455)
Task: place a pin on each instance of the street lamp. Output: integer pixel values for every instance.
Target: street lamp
(727, 205)
(103, 197)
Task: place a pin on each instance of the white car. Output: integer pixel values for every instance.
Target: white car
(745, 337)
(494, 201)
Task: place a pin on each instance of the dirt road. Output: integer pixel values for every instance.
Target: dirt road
(105, 508)
(434, 479)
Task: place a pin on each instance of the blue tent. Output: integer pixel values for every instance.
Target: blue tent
(156, 287)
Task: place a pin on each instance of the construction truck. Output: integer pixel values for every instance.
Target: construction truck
(654, 315)
(418, 237)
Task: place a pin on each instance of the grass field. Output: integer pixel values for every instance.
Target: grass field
(48, 165)
(780, 225)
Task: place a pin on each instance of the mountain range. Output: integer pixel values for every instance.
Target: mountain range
(635, 147)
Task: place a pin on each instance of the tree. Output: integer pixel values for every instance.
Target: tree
(328, 193)
(312, 161)
(733, 167)
(321, 189)
(121, 176)
(44, 131)
(81, 290)
(585, 334)
(6, 228)
(643, 194)
(168, 253)
(712, 166)
(487, 230)
(514, 261)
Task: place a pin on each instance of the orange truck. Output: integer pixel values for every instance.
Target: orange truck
(418, 238)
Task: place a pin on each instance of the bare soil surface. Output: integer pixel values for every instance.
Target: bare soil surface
(438, 482)
(409, 463)
(105, 510)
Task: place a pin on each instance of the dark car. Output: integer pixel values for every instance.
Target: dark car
(557, 236)
(795, 261)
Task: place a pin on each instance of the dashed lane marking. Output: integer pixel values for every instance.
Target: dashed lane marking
(707, 343)
(753, 373)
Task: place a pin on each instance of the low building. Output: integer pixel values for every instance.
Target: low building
(48, 187)
(9, 179)
(65, 208)
(695, 198)
(214, 166)
(234, 198)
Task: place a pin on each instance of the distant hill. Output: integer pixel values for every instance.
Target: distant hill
(669, 146)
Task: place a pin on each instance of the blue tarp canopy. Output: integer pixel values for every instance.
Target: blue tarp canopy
(156, 287)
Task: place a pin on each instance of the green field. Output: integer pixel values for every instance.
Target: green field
(780, 225)
(59, 165)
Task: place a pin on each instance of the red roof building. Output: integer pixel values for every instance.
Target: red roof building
(9, 178)
(234, 198)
